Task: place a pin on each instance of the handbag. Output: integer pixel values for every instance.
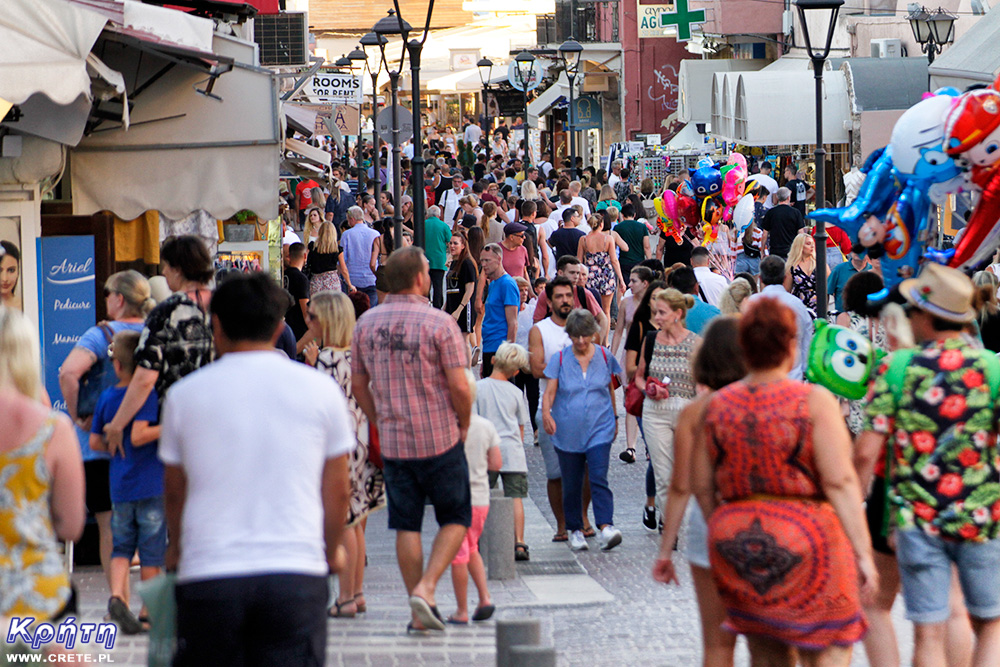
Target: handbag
(634, 398)
(374, 448)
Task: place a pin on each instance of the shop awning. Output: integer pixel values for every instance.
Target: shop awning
(880, 84)
(466, 81)
(695, 85)
(556, 95)
(973, 58)
(187, 150)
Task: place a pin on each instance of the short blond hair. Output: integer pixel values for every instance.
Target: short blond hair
(20, 357)
(510, 357)
(335, 313)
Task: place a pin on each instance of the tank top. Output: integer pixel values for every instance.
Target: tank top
(554, 339)
(674, 362)
(31, 563)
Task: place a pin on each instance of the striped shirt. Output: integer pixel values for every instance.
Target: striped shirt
(405, 347)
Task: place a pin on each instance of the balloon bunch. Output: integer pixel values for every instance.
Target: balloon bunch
(890, 216)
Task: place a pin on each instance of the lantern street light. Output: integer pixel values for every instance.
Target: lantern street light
(818, 58)
(358, 60)
(932, 30)
(371, 39)
(345, 63)
(571, 52)
(485, 66)
(524, 65)
(393, 25)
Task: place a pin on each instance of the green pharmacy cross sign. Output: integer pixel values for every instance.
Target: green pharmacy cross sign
(683, 18)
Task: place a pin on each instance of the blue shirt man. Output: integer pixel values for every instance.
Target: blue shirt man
(841, 274)
(701, 313)
(503, 299)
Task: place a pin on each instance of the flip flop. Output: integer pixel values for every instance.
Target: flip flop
(454, 621)
(560, 537)
(426, 613)
(521, 552)
(590, 532)
(414, 630)
(483, 613)
(338, 610)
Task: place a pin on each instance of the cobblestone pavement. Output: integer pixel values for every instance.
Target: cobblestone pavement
(596, 608)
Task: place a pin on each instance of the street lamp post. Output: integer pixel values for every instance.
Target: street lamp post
(371, 39)
(346, 63)
(932, 31)
(415, 46)
(358, 59)
(485, 66)
(524, 67)
(393, 25)
(818, 58)
(571, 52)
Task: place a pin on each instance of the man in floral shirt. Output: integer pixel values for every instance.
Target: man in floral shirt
(944, 482)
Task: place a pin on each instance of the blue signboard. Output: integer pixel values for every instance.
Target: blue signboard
(66, 298)
(588, 114)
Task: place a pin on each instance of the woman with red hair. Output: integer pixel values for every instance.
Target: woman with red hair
(786, 530)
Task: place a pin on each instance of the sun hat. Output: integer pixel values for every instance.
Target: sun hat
(941, 291)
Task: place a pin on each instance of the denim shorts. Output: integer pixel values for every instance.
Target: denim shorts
(142, 525)
(925, 569)
(746, 264)
(441, 479)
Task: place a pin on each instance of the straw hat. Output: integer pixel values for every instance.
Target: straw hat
(941, 291)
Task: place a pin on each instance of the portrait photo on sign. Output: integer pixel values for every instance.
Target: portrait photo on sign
(10, 263)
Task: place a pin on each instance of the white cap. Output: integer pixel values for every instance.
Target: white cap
(290, 237)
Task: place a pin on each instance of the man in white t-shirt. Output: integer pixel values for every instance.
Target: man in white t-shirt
(615, 177)
(450, 198)
(255, 499)
(574, 189)
(473, 133)
(711, 284)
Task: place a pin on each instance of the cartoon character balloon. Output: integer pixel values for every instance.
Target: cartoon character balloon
(841, 360)
(666, 211)
(706, 182)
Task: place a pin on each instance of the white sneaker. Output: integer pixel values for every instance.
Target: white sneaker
(577, 542)
(610, 538)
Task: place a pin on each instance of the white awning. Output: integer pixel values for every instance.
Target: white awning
(466, 81)
(694, 104)
(555, 95)
(774, 108)
(187, 150)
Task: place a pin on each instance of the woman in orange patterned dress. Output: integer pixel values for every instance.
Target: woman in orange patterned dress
(787, 533)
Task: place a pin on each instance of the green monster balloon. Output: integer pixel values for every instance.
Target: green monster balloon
(841, 360)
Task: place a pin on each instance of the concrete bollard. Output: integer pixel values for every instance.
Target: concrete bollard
(497, 542)
(516, 632)
(533, 656)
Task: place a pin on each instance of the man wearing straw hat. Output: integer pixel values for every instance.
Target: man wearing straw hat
(936, 408)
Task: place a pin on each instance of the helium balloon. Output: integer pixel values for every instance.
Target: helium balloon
(841, 360)
(687, 212)
(706, 182)
(743, 213)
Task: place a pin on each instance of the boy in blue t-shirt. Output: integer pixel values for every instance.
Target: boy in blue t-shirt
(136, 479)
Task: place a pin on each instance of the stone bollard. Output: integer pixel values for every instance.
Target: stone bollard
(516, 632)
(497, 542)
(532, 656)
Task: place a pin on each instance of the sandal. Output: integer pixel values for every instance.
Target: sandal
(589, 532)
(628, 456)
(362, 607)
(338, 610)
(521, 552)
(560, 537)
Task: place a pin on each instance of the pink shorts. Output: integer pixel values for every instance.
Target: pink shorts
(470, 545)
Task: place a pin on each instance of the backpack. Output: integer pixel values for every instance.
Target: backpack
(100, 376)
(895, 375)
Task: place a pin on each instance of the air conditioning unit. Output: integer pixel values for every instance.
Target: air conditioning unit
(283, 39)
(887, 47)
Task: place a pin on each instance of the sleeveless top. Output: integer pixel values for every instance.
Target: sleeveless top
(674, 362)
(761, 440)
(554, 338)
(32, 569)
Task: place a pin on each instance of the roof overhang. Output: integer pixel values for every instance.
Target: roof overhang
(694, 103)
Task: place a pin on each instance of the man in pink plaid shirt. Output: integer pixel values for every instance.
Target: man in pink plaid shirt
(408, 367)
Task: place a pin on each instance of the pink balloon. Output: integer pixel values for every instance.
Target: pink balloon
(670, 205)
(732, 185)
(739, 160)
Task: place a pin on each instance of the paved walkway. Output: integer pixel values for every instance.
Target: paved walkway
(596, 608)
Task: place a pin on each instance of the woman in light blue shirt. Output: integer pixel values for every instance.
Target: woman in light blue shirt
(578, 410)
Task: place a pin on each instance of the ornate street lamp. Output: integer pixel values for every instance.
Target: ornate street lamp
(358, 60)
(485, 66)
(393, 25)
(371, 39)
(571, 52)
(818, 58)
(524, 65)
(932, 30)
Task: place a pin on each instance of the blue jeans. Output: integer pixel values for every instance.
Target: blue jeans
(572, 465)
(372, 295)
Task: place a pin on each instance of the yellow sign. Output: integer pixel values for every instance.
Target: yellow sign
(649, 21)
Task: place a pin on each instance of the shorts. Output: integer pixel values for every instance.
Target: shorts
(746, 264)
(925, 570)
(875, 513)
(549, 456)
(442, 479)
(97, 473)
(470, 545)
(515, 484)
(142, 525)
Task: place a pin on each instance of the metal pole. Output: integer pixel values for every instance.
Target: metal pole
(527, 152)
(419, 237)
(397, 214)
(820, 159)
(572, 130)
(486, 114)
(362, 176)
(376, 159)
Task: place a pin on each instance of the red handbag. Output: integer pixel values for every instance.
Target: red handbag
(634, 398)
(374, 448)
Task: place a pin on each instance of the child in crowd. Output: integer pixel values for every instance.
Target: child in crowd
(501, 402)
(482, 451)
(136, 482)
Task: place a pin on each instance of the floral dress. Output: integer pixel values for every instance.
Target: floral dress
(367, 482)
(602, 274)
(804, 288)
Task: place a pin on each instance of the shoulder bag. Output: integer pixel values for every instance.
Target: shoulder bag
(100, 376)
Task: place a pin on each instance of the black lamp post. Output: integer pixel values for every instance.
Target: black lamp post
(345, 63)
(932, 30)
(393, 25)
(485, 66)
(523, 69)
(818, 58)
(358, 59)
(415, 46)
(571, 52)
(371, 39)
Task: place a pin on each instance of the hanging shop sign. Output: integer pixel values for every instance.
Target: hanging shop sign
(533, 79)
(587, 113)
(504, 102)
(334, 88)
(673, 20)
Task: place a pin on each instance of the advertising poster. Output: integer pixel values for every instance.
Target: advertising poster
(10, 263)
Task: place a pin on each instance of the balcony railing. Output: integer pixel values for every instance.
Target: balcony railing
(586, 21)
